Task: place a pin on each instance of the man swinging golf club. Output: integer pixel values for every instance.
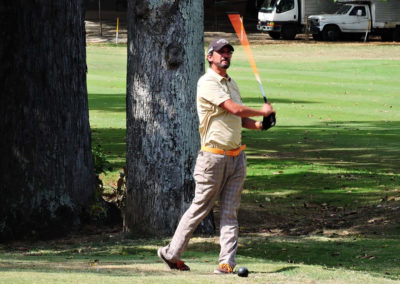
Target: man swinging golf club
(221, 164)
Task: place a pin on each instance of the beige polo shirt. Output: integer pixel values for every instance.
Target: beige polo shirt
(218, 127)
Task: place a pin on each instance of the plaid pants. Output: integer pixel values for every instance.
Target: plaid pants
(216, 176)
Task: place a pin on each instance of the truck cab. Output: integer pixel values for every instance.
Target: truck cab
(279, 17)
(350, 18)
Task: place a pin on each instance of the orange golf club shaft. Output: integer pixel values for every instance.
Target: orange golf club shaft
(241, 34)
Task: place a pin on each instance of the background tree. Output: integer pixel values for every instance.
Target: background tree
(46, 176)
(165, 60)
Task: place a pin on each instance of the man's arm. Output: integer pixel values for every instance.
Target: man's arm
(251, 123)
(244, 111)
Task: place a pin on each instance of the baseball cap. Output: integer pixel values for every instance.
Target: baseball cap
(218, 44)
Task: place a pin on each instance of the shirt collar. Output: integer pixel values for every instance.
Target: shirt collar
(216, 75)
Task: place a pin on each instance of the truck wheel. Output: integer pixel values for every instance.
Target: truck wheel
(396, 34)
(317, 36)
(331, 33)
(275, 35)
(288, 32)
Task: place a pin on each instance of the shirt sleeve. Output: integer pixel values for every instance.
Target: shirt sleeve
(213, 91)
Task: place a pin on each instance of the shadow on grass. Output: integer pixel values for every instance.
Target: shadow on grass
(285, 269)
(260, 100)
(80, 248)
(329, 160)
(116, 102)
(113, 143)
(332, 188)
(373, 255)
(107, 102)
(353, 145)
(332, 176)
(119, 257)
(359, 146)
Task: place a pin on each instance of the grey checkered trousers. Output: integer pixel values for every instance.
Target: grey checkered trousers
(216, 176)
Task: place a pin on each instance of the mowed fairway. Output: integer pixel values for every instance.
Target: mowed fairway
(321, 202)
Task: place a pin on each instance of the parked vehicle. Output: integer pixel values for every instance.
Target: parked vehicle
(287, 18)
(359, 18)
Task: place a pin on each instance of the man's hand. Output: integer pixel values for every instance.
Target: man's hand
(267, 109)
(269, 119)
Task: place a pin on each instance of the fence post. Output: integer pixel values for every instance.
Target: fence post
(101, 26)
(116, 33)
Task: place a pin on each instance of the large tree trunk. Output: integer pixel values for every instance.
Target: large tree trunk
(46, 172)
(165, 60)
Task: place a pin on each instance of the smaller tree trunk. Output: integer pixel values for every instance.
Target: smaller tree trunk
(165, 60)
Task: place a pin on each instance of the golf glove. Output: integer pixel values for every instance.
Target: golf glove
(268, 121)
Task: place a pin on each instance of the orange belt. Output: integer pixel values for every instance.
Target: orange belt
(232, 153)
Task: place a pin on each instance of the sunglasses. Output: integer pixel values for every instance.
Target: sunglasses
(226, 52)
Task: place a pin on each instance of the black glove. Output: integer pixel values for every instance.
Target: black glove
(268, 121)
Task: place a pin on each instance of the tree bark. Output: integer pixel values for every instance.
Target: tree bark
(165, 60)
(47, 176)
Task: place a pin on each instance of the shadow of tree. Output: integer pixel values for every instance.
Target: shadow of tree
(284, 269)
(332, 176)
(372, 255)
(375, 255)
(107, 102)
(113, 143)
(260, 100)
(365, 145)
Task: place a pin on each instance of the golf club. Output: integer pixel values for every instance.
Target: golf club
(268, 121)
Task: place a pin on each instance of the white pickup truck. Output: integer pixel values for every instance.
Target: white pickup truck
(359, 18)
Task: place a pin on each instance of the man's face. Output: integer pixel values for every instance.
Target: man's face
(221, 58)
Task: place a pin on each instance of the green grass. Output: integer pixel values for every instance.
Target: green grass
(112, 259)
(338, 129)
(107, 88)
(322, 196)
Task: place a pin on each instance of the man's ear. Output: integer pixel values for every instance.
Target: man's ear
(209, 58)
